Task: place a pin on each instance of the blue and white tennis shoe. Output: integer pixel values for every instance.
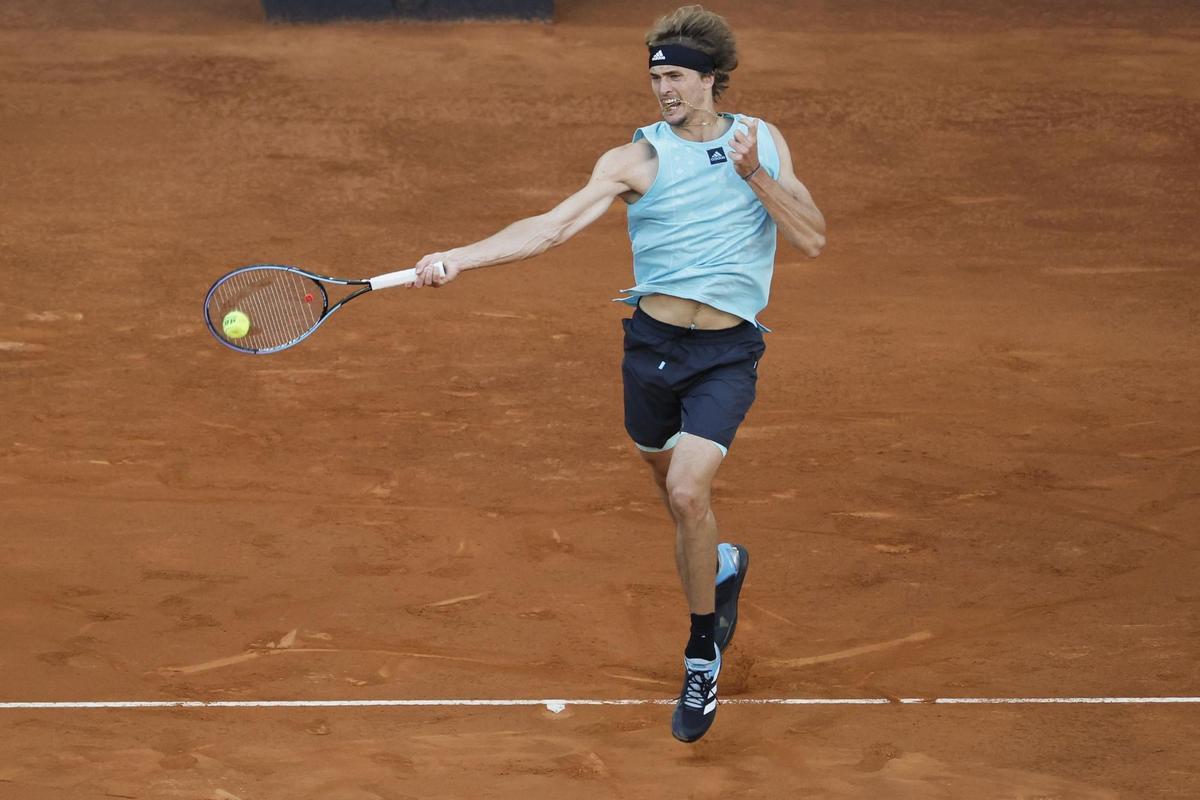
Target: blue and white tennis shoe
(697, 705)
(733, 561)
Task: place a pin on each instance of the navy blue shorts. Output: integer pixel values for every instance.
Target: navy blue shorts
(685, 380)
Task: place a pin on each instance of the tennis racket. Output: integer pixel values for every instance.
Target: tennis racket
(265, 308)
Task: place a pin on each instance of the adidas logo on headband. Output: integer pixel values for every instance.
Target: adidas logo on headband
(681, 56)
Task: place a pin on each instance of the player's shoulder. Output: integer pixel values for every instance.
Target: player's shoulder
(773, 129)
(625, 157)
(639, 150)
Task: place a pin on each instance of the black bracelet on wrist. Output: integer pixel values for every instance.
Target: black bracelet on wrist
(751, 175)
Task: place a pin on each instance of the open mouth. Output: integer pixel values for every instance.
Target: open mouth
(671, 103)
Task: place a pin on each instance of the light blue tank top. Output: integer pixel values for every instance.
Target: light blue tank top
(700, 232)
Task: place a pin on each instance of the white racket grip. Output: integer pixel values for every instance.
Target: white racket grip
(403, 277)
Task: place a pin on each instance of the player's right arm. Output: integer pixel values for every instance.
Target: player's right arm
(616, 172)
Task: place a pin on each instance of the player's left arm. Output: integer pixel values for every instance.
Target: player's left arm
(786, 199)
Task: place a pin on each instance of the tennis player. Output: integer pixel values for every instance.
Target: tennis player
(705, 193)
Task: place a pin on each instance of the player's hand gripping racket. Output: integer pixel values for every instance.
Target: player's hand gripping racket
(265, 308)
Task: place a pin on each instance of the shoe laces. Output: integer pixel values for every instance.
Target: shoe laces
(697, 687)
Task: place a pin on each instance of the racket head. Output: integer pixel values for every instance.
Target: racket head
(284, 305)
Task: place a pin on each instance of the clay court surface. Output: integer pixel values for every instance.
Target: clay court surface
(972, 470)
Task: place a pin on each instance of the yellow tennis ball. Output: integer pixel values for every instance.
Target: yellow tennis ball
(236, 324)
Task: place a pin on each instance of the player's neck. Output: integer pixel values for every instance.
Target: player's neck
(702, 125)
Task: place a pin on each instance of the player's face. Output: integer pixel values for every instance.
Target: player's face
(680, 91)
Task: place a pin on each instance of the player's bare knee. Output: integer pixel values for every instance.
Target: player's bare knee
(689, 502)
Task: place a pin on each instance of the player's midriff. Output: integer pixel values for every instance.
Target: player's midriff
(686, 313)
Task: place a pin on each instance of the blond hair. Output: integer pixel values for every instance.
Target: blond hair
(694, 27)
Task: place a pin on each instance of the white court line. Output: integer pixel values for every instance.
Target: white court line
(559, 704)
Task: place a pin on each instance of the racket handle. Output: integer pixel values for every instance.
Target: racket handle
(402, 278)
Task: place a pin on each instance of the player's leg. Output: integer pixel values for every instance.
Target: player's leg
(694, 464)
(657, 372)
(653, 419)
(660, 463)
(732, 559)
(714, 403)
(688, 488)
(713, 410)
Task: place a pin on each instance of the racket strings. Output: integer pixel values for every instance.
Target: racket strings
(282, 306)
